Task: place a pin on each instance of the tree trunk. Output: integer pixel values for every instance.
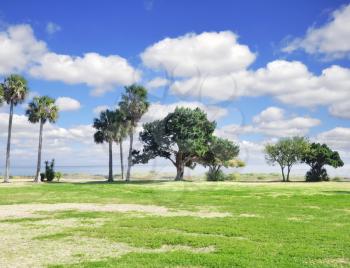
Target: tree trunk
(121, 159)
(180, 168)
(38, 165)
(131, 137)
(288, 173)
(8, 149)
(283, 176)
(110, 149)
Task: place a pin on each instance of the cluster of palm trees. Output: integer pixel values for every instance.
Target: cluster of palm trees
(14, 90)
(117, 125)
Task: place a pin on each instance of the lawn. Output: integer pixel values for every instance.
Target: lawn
(175, 224)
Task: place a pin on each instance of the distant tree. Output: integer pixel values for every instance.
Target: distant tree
(14, 90)
(41, 110)
(317, 156)
(286, 153)
(221, 153)
(1, 95)
(106, 127)
(182, 137)
(133, 105)
(121, 132)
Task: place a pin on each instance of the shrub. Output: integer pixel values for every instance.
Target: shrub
(233, 177)
(50, 174)
(215, 175)
(58, 176)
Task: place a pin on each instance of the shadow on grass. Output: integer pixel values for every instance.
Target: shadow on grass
(338, 192)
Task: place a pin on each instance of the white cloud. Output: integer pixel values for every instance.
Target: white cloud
(159, 111)
(341, 109)
(157, 83)
(19, 48)
(21, 51)
(331, 39)
(337, 138)
(67, 104)
(271, 122)
(192, 54)
(100, 72)
(52, 28)
(98, 109)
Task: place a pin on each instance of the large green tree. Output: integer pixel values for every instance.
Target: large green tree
(286, 153)
(14, 90)
(317, 156)
(41, 110)
(182, 137)
(133, 105)
(106, 127)
(221, 153)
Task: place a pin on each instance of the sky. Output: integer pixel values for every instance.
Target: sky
(262, 70)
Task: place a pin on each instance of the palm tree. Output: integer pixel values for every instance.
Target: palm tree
(120, 134)
(134, 104)
(1, 95)
(106, 129)
(15, 89)
(41, 110)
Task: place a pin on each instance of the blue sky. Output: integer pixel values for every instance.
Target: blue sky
(262, 69)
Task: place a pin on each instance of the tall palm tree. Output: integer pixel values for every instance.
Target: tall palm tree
(106, 129)
(41, 110)
(122, 127)
(15, 89)
(134, 104)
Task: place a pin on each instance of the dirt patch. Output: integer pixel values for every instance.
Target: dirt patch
(30, 210)
(70, 249)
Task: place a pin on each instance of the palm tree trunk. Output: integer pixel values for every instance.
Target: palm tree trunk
(38, 165)
(121, 158)
(131, 136)
(7, 169)
(110, 175)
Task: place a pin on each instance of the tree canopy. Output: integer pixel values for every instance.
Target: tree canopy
(182, 137)
(317, 156)
(15, 89)
(42, 109)
(286, 152)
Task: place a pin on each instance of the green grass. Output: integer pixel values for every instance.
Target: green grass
(271, 224)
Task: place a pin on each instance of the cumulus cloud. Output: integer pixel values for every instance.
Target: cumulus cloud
(206, 53)
(21, 51)
(338, 138)
(157, 83)
(331, 39)
(19, 48)
(67, 104)
(159, 111)
(271, 122)
(52, 28)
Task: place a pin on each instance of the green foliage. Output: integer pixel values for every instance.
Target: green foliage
(1, 94)
(317, 156)
(42, 109)
(50, 174)
(14, 89)
(134, 103)
(215, 175)
(107, 126)
(286, 152)
(182, 137)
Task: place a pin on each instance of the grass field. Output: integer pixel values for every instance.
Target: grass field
(175, 224)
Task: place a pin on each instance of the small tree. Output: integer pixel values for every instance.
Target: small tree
(317, 156)
(14, 90)
(41, 110)
(106, 126)
(134, 105)
(286, 153)
(182, 137)
(221, 153)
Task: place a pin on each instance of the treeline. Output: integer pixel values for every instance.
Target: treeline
(297, 150)
(184, 137)
(14, 90)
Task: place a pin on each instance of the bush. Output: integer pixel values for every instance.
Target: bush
(50, 174)
(233, 177)
(215, 175)
(58, 176)
(317, 175)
